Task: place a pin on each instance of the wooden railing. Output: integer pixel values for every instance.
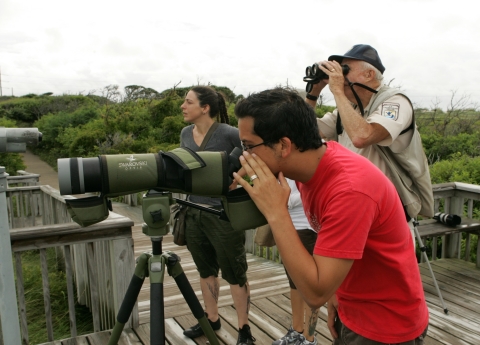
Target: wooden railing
(98, 260)
(453, 198)
(459, 199)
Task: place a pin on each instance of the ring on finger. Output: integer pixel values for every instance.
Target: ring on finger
(253, 177)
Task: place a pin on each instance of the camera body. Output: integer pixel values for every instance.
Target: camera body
(17, 139)
(313, 75)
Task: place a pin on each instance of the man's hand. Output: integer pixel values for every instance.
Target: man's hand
(332, 306)
(336, 80)
(269, 194)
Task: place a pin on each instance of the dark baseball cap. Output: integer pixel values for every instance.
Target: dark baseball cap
(362, 52)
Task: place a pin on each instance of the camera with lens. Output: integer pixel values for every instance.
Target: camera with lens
(448, 219)
(17, 139)
(313, 75)
(181, 170)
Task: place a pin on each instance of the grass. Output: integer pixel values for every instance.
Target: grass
(36, 320)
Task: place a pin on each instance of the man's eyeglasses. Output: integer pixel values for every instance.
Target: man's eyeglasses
(249, 147)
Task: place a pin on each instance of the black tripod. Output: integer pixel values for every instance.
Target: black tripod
(156, 214)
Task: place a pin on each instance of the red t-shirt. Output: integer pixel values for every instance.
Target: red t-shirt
(358, 215)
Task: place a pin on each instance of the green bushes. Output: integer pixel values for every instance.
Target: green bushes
(459, 168)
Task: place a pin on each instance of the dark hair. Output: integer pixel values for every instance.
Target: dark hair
(216, 101)
(281, 112)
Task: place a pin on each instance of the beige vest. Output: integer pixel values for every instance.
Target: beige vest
(409, 170)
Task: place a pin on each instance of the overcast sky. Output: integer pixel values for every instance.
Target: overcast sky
(430, 48)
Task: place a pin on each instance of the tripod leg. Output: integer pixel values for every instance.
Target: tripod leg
(157, 304)
(130, 298)
(425, 256)
(175, 270)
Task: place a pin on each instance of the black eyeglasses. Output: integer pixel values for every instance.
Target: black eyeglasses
(249, 147)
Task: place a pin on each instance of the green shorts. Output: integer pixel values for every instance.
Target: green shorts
(214, 245)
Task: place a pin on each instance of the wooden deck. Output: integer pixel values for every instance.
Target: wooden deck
(269, 317)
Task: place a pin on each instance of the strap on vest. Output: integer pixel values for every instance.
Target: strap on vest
(339, 126)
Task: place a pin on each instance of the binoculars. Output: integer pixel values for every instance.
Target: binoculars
(313, 75)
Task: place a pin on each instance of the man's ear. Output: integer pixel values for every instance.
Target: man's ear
(370, 74)
(286, 146)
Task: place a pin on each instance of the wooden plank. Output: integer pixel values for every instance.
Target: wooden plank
(281, 301)
(143, 333)
(71, 238)
(99, 338)
(80, 273)
(93, 279)
(174, 333)
(82, 340)
(122, 270)
(467, 284)
(46, 293)
(454, 325)
(461, 268)
(22, 306)
(112, 222)
(226, 334)
(129, 337)
(70, 293)
(431, 227)
(229, 314)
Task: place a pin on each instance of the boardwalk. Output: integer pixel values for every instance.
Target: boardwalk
(270, 312)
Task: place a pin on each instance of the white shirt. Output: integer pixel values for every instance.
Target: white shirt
(295, 208)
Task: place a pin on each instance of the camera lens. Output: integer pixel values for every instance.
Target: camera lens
(79, 175)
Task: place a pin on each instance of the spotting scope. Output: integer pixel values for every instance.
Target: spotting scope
(17, 139)
(181, 170)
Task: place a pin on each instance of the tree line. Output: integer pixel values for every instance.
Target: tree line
(139, 119)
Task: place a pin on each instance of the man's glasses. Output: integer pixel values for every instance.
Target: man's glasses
(249, 147)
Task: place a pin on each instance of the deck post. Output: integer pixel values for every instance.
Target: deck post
(453, 241)
(8, 299)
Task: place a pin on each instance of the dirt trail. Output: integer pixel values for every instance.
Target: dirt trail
(48, 176)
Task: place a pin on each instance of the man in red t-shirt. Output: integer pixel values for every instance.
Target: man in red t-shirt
(363, 263)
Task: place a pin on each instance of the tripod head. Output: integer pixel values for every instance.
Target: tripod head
(156, 213)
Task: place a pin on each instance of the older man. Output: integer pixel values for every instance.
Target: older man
(376, 121)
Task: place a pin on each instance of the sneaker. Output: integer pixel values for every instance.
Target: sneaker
(290, 338)
(245, 336)
(302, 341)
(197, 331)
